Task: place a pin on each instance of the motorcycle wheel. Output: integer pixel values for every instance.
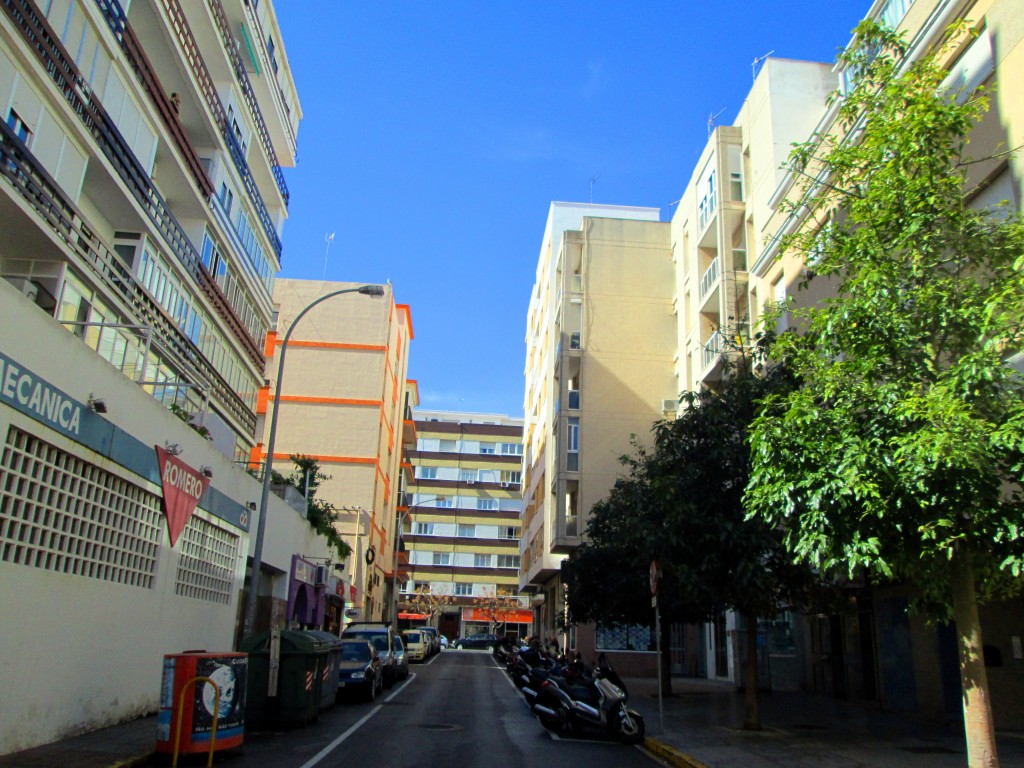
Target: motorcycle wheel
(552, 723)
(629, 728)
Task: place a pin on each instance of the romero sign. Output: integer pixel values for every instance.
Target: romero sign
(183, 487)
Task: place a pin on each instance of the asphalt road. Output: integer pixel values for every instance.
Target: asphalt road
(459, 710)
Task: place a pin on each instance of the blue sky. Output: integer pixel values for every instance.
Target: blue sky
(435, 135)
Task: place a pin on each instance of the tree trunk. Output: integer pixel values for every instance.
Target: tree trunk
(752, 710)
(666, 657)
(978, 727)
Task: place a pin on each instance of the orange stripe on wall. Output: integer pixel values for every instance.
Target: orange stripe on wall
(337, 345)
(330, 459)
(328, 400)
(271, 342)
(408, 318)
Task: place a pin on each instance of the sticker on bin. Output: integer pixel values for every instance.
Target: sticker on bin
(309, 681)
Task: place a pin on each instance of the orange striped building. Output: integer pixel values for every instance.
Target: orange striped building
(345, 400)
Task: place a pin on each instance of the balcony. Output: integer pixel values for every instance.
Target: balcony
(712, 349)
(59, 67)
(148, 338)
(710, 277)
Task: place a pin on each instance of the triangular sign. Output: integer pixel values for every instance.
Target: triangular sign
(183, 487)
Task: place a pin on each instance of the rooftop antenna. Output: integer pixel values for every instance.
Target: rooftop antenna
(711, 120)
(758, 60)
(592, 180)
(328, 239)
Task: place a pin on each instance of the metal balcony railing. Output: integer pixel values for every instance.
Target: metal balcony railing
(64, 74)
(710, 277)
(139, 63)
(30, 180)
(712, 348)
(231, 45)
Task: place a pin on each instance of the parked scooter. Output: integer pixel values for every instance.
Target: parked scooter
(576, 701)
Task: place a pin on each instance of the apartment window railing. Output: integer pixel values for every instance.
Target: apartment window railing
(710, 277)
(139, 63)
(42, 193)
(224, 27)
(712, 348)
(65, 76)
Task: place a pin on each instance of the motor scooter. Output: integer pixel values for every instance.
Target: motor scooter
(575, 702)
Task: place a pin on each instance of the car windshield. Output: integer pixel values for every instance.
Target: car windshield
(398, 644)
(380, 643)
(412, 637)
(355, 651)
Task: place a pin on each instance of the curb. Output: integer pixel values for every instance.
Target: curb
(134, 761)
(671, 754)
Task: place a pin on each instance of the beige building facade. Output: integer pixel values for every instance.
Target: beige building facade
(345, 401)
(599, 367)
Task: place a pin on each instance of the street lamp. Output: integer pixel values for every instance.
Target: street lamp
(261, 524)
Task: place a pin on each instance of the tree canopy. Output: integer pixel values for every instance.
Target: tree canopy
(901, 450)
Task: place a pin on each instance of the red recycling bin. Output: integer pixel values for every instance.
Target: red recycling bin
(228, 671)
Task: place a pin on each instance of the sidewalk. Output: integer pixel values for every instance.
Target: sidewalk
(120, 746)
(702, 722)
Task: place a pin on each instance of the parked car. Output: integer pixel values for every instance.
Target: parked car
(435, 641)
(444, 641)
(476, 641)
(415, 644)
(360, 671)
(383, 638)
(401, 659)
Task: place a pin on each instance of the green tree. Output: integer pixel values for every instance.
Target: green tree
(682, 505)
(901, 450)
(306, 479)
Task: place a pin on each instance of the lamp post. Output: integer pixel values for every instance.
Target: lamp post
(261, 524)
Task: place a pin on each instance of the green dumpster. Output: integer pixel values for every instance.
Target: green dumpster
(331, 669)
(302, 662)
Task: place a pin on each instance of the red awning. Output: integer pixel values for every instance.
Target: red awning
(413, 616)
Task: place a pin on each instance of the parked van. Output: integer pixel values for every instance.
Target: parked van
(383, 638)
(415, 644)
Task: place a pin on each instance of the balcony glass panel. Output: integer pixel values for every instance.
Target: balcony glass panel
(712, 348)
(709, 278)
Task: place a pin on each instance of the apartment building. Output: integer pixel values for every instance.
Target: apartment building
(344, 400)
(462, 525)
(141, 204)
(718, 230)
(725, 236)
(600, 346)
(880, 651)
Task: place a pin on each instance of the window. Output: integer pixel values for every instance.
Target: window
(512, 449)
(442, 558)
(508, 561)
(736, 186)
(508, 532)
(708, 202)
(270, 53)
(466, 531)
(572, 445)
(448, 446)
(623, 637)
(20, 128)
(463, 590)
(487, 504)
(426, 473)
(482, 561)
(467, 475)
(226, 198)
(423, 529)
(508, 476)
(486, 447)
(444, 501)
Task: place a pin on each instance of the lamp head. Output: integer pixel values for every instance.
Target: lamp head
(96, 404)
(371, 290)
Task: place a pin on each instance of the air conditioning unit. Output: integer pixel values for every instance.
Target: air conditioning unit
(471, 482)
(504, 485)
(321, 576)
(669, 406)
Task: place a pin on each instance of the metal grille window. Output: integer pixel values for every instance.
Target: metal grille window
(62, 514)
(206, 564)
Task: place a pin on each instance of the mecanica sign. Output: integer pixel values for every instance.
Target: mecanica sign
(21, 388)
